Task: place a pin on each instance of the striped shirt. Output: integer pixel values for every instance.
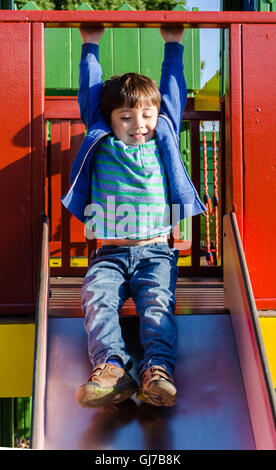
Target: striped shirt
(129, 191)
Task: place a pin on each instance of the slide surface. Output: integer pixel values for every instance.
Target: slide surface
(211, 411)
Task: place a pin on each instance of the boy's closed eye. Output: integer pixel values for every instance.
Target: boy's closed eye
(129, 117)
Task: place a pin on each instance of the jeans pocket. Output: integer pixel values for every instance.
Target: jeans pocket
(174, 252)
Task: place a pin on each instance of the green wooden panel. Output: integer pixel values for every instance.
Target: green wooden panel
(263, 5)
(185, 145)
(106, 53)
(185, 151)
(58, 58)
(126, 54)
(185, 227)
(188, 60)
(195, 58)
(6, 422)
(125, 51)
(151, 53)
(75, 56)
(266, 5)
(23, 417)
(225, 75)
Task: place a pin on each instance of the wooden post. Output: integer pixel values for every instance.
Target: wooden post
(21, 168)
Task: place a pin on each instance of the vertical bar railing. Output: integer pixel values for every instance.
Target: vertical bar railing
(195, 146)
(195, 118)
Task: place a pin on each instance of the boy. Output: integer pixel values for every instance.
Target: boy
(130, 163)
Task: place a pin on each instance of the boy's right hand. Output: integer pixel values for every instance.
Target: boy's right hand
(91, 35)
(172, 34)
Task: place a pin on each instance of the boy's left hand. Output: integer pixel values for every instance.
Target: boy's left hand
(172, 34)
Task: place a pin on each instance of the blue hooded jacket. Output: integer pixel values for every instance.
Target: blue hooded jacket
(183, 195)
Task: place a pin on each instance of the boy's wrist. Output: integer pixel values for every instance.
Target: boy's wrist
(91, 41)
(172, 40)
(89, 48)
(174, 50)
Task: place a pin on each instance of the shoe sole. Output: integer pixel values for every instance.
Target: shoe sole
(158, 394)
(90, 396)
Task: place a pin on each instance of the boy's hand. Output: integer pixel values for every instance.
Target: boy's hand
(172, 34)
(91, 35)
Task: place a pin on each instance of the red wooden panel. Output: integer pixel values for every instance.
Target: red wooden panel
(38, 144)
(61, 107)
(76, 227)
(55, 183)
(67, 231)
(239, 301)
(259, 103)
(236, 143)
(15, 166)
(65, 174)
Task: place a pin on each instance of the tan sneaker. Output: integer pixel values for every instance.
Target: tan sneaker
(108, 384)
(157, 387)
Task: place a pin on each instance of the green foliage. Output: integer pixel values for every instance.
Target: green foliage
(42, 4)
(103, 4)
(163, 4)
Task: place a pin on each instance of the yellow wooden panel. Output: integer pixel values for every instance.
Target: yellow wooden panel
(268, 327)
(207, 99)
(16, 359)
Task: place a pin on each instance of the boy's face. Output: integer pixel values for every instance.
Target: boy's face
(134, 125)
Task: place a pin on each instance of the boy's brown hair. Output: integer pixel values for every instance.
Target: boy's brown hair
(129, 90)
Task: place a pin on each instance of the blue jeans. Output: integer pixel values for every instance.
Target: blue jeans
(146, 273)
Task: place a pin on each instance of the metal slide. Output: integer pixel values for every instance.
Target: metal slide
(226, 398)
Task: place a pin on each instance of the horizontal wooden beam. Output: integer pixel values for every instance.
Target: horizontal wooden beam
(66, 107)
(137, 19)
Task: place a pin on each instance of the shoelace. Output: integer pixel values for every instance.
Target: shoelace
(96, 373)
(156, 371)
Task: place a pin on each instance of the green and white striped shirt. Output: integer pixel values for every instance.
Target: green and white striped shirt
(129, 191)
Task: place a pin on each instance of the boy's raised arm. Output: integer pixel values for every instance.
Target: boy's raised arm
(172, 84)
(90, 78)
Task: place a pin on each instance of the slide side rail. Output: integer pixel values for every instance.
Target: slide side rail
(40, 354)
(239, 300)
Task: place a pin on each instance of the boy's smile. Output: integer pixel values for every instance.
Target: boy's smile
(134, 126)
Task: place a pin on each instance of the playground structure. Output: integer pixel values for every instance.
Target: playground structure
(246, 122)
